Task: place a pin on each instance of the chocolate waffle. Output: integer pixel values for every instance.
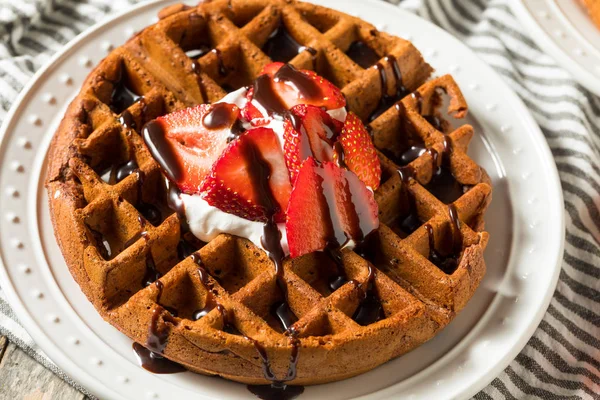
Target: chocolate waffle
(222, 308)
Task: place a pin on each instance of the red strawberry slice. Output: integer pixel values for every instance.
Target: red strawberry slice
(289, 87)
(359, 152)
(250, 178)
(328, 206)
(250, 113)
(187, 142)
(309, 131)
(332, 126)
(271, 69)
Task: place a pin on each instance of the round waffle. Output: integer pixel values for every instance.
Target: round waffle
(213, 307)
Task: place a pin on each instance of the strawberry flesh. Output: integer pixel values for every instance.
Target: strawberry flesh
(308, 132)
(328, 207)
(281, 87)
(359, 153)
(250, 178)
(252, 114)
(187, 142)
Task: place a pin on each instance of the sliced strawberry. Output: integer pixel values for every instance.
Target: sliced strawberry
(271, 69)
(289, 87)
(187, 142)
(250, 178)
(332, 127)
(328, 206)
(250, 113)
(359, 152)
(308, 131)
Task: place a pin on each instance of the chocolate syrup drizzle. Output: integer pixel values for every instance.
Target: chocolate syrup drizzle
(150, 212)
(447, 263)
(211, 300)
(337, 281)
(162, 150)
(122, 96)
(362, 54)
(260, 171)
(411, 221)
(335, 235)
(126, 118)
(278, 389)
(259, 174)
(340, 156)
(265, 94)
(150, 356)
(443, 184)
(223, 71)
(102, 244)
(281, 46)
(152, 274)
(195, 55)
(411, 154)
(313, 53)
(322, 151)
(118, 172)
(370, 309)
(307, 87)
(388, 100)
(432, 119)
(269, 99)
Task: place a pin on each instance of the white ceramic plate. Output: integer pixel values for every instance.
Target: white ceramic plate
(525, 221)
(563, 29)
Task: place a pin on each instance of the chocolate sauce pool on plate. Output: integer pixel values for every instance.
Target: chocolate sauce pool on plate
(150, 356)
(154, 362)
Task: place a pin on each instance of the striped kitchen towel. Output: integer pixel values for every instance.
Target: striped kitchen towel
(562, 359)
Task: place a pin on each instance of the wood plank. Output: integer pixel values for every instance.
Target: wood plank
(3, 345)
(21, 377)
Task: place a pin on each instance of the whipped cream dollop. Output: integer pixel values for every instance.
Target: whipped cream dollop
(206, 221)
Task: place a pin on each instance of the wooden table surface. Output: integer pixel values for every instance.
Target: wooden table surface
(21, 377)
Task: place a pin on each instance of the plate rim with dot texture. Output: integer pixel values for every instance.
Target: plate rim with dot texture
(55, 313)
(564, 30)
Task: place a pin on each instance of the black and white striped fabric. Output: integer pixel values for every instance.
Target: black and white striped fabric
(562, 359)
